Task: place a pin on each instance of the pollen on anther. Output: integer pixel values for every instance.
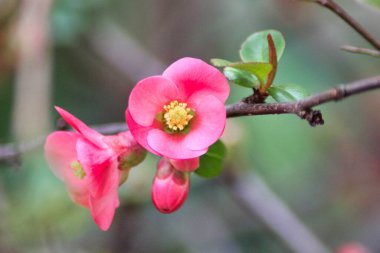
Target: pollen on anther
(177, 116)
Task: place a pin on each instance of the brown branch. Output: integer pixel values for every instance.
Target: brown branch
(360, 50)
(338, 10)
(10, 153)
(303, 108)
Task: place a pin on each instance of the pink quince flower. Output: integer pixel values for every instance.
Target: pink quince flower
(92, 165)
(181, 113)
(170, 187)
(352, 247)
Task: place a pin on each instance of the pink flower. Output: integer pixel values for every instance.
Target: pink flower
(181, 113)
(352, 247)
(92, 165)
(170, 187)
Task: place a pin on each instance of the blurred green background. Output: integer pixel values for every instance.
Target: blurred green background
(86, 56)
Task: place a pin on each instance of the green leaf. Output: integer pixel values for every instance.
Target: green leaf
(241, 77)
(211, 163)
(259, 69)
(255, 47)
(219, 62)
(287, 93)
(372, 3)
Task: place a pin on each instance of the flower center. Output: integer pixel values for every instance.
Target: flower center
(77, 169)
(177, 116)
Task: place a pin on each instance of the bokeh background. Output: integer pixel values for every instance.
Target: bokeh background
(86, 56)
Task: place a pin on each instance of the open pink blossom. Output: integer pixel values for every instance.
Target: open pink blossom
(170, 187)
(92, 165)
(181, 113)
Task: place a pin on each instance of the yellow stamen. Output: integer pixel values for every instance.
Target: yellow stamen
(78, 170)
(177, 116)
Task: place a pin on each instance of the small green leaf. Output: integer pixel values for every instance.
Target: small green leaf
(220, 62)
(255, 47)
(259, 69)
(241, 77)
(287, 93)
(211, 163)
(372, 3)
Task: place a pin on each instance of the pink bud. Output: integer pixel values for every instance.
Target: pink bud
(186, 165)
(170, 187)
(129, 152)
(131, 158)
(352, 247)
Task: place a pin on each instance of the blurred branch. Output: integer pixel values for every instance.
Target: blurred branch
(258, 200)
(122, 52)
(33, 76)
(338, 10)
(302, 108)
(11, 153)
(360, 50)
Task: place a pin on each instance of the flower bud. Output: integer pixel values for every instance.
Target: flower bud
(131, 158)
(170, 187)
(132, 153)
(186, 165)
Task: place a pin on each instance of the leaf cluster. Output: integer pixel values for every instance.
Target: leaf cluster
(259, 55)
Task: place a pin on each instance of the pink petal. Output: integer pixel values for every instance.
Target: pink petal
(208, 124)
(126, 139)
(148, 98)
(60, 152)
(97, 164)
(186, 165)
(81, 127)
(78, 188)
(193, 75)
(103, 209)
(172, 145)
(139, 132)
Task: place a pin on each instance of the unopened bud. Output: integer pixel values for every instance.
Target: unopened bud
(170, 187)
(133, 153)
(131, 158)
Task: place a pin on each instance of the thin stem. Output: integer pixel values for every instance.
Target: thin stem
(360, 50)
(338, 10)
(303, 107)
